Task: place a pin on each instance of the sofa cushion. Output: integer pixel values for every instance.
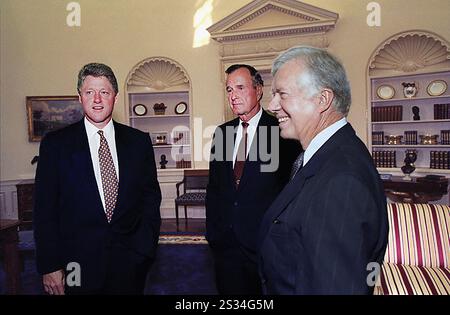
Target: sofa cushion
(406, 280)
(419, 235)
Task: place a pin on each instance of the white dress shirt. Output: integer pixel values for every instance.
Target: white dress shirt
(318, 141)
(94, 145)
(251, 130)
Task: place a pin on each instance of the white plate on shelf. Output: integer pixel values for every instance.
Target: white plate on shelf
(139, 109)
(180, 108)
(437, 87)
(385, 92)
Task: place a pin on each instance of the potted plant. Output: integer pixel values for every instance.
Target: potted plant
(159, 108)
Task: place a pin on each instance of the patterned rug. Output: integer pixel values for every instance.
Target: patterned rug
(172, 239)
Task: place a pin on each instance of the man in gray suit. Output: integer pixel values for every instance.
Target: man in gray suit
(330, 220)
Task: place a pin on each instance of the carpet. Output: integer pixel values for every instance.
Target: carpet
(183, 266)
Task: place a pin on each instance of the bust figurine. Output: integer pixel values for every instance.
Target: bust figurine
(408, 168)
(416, 114)
(163, 161)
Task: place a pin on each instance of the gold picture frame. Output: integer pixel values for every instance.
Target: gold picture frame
(49, 113)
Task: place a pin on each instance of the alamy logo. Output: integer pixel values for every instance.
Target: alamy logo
(373, 276)
(73, 277)
(374, 17)
(74, 17)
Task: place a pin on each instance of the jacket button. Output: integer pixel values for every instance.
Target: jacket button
(276, 221)
(235, 203)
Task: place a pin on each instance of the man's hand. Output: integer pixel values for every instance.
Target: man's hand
(54, 282)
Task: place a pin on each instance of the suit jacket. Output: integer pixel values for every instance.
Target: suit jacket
(70, 224)
(233, 215)
(327, 224)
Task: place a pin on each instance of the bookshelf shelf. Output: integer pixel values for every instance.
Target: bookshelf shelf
(430, 121)
(410, 146)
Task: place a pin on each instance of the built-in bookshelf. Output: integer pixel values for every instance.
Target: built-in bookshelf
(411, 112)
(159, 102)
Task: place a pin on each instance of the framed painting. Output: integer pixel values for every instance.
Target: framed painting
(49, 113)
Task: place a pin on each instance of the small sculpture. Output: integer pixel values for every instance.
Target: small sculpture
(415, 110)
(163, 161)
(408, 168)
(159, 108)
(409, 89)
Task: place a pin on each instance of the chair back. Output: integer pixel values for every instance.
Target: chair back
(195, 179)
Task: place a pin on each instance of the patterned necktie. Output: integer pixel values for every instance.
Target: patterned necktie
(241, 156)
(109, 177)
(297, 165)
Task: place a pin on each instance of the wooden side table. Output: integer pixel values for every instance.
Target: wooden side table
(9, 240)
(415, 191)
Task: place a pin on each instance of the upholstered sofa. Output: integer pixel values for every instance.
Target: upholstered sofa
(418, 253)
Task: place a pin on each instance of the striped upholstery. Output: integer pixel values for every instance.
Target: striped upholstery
(418, 252)
(406, 279)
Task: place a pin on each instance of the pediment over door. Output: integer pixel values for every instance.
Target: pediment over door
(272, 19)
(259, 31)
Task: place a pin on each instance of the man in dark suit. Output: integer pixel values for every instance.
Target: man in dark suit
(97, 198)
(248, 168)
(330, 220)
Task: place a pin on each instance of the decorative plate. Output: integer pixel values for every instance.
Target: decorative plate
(140, 109)
(437, 87)
(385, 92)
(180, 108)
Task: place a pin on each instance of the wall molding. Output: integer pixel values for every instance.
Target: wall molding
(167, 180)
(8, 199)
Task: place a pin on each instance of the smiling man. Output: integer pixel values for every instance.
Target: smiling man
(97, 198)
(330, 220)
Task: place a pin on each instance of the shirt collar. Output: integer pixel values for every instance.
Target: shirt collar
(318, 141)
(253, 122)
(91, 130)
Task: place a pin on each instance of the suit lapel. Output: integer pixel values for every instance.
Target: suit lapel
(123, 157)
(82, 162)
(295, 186)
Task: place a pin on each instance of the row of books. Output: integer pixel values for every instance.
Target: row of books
(384, 158)
(183, 163)
(410, 137)
(387, 113)
(442, 111)
(445, 136)
(440, 160)
(377, 137)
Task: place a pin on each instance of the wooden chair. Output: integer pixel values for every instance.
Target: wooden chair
(194, 191)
